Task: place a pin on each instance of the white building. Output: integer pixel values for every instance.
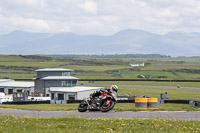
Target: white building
(59, 85)
(9, 86)
(137, 64)
(72, 93)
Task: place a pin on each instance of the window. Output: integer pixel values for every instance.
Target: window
(60, 96)
(19, 90)
(10, 91)
(65, 73)
(28, 92)
(66, 83)
(71, 97)
(52, 95)
(1, 89)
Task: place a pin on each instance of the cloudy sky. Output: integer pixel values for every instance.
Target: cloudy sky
(102, 17)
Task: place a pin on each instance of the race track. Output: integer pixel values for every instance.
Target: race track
(188, 116)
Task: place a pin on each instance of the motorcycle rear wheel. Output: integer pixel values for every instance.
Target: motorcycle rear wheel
(106, 108)
(82, 107)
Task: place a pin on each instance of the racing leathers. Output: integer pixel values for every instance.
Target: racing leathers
(98, 92)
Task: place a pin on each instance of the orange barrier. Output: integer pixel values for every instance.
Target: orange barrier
(146, 103)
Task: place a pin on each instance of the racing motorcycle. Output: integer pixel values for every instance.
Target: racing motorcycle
(105, 102)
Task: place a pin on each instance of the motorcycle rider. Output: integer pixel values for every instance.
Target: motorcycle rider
(112, 89)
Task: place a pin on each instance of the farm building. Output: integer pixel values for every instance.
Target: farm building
(59, 85)
(137, 64)
(9, 86)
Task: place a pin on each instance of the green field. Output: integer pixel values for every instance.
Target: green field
(174, 94)
(150, 83)
(10, 124)
(17, 66)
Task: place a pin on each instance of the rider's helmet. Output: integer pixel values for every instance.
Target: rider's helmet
(114, 88)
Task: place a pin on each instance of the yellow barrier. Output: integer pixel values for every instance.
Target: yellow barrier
(10, 95)
(152, 103)
(146, 103)
(141, 103)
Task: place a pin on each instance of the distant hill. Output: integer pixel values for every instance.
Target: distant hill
(128, 41)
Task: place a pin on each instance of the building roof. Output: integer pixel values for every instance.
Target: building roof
(6, 80)
(53, 70)
(17, 84)
(59, 78)
(73, 89)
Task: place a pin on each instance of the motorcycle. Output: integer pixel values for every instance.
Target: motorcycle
(105, 102)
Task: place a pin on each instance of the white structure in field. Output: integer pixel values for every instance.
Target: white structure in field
(137, 64)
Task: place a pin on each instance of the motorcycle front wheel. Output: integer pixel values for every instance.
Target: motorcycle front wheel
(107, 107)
(82, 107)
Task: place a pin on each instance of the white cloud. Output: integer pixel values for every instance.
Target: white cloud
(99, 17)
(89, 6)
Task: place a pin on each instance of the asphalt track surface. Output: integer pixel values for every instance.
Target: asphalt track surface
(188, 116)
(148, 86)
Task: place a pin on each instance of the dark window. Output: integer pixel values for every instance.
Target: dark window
(19, 90)
(47, 95)
(52, 95)
(1, 89)
(28, 93)
(60, 96)
(10, 91)
(71, 97)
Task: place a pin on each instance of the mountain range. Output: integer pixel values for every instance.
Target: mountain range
(128, 41)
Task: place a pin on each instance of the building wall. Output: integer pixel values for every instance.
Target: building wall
(78, 95)
(58, 83)
(39, 86)
(66, 95)
(30, 90)
(42, 86)
(84, 94)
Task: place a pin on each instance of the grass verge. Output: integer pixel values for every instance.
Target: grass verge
(10, 124)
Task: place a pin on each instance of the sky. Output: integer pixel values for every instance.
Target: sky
(100, 17)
